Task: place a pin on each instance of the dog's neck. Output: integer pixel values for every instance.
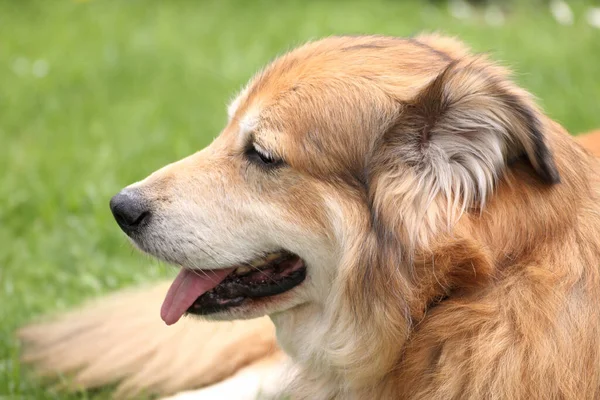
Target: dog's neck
(301, 333)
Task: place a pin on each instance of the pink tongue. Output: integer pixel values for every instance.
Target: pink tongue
(186, 288)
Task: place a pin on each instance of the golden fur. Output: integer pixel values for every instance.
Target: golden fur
(121, 339)
(450, 229)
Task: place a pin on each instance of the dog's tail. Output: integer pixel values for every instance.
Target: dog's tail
(122, 339)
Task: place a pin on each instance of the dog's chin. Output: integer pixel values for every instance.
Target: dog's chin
(256, 308)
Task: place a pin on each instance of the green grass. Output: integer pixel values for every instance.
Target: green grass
(131, 85)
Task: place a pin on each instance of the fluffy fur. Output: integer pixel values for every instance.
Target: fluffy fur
(121, 339)
(449, 228)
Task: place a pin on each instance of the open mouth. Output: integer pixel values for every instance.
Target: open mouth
(204, 292)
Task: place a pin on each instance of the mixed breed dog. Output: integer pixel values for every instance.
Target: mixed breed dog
(411, 223)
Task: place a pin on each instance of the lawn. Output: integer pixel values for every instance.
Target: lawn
(95, 95)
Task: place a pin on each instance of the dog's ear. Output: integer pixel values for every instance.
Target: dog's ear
(471, 110)
(455, 138)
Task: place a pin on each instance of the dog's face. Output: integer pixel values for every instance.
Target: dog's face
(339, 162)
(282, 178)
(248, 202)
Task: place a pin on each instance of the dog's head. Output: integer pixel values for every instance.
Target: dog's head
(344, 165)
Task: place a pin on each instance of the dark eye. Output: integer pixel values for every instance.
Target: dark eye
(261, 157)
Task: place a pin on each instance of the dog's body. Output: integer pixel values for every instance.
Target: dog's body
(447, 229)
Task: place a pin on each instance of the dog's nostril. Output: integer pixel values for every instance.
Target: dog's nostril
(129, 209)
(141, 218)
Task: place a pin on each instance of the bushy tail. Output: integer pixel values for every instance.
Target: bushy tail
(121, 338)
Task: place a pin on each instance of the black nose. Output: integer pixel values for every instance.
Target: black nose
(129, 209)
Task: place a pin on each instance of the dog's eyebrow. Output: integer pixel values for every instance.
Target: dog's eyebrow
(253, 140)
(248, 123)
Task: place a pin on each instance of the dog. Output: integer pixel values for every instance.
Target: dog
(405, 215)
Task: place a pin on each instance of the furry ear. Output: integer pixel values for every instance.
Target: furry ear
(449, 146)
(471, 113)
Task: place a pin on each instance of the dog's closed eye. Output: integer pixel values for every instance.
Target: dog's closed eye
(259, 156)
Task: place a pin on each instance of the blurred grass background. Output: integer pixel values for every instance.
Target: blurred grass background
(95, 95)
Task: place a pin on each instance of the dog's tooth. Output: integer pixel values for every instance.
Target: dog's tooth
(272, 257)
(266, 260)
(244, 269)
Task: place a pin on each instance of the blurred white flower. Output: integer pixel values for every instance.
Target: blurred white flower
(494, 16)
(593, 16)
(40, 68)
(460, 9)
(20, 66)
(562, 12)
